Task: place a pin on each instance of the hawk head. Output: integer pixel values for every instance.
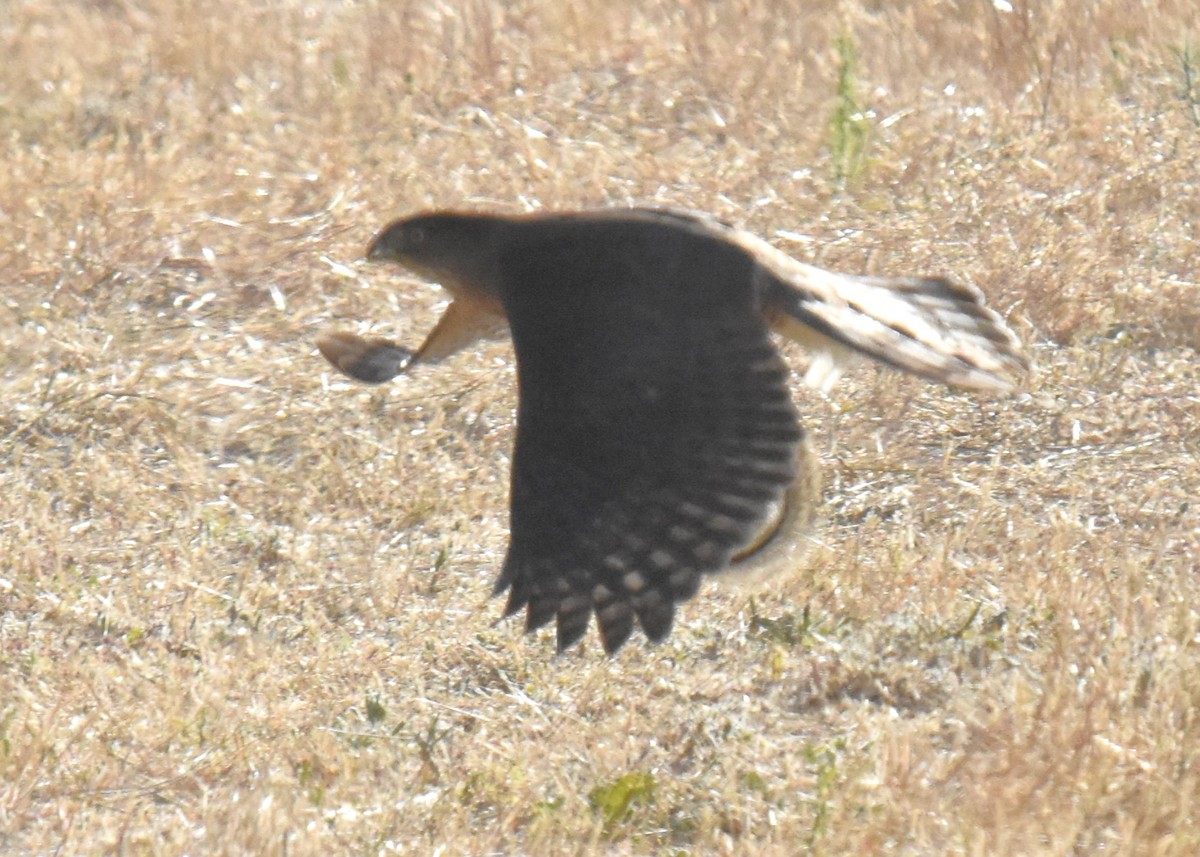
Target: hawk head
(458, 251)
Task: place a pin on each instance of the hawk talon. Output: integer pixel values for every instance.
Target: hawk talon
(372, 361)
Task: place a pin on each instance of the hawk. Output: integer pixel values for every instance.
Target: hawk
(656, 438)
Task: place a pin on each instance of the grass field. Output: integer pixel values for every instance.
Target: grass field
(244, 603)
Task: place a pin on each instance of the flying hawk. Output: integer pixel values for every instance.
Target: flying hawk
(656, 437)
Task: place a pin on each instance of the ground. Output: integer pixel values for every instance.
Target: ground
(244, 602)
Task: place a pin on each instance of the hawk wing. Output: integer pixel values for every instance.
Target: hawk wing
(932, 327)
(655, 429)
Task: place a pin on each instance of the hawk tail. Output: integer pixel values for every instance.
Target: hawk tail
(932, 327)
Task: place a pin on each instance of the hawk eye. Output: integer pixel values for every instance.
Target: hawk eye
(416, 235)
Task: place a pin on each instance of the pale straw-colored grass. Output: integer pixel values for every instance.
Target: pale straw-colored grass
(243, 603)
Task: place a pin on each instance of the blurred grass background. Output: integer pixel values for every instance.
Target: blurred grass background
(243, 604)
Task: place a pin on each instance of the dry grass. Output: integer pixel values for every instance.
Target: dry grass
(243, 604)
